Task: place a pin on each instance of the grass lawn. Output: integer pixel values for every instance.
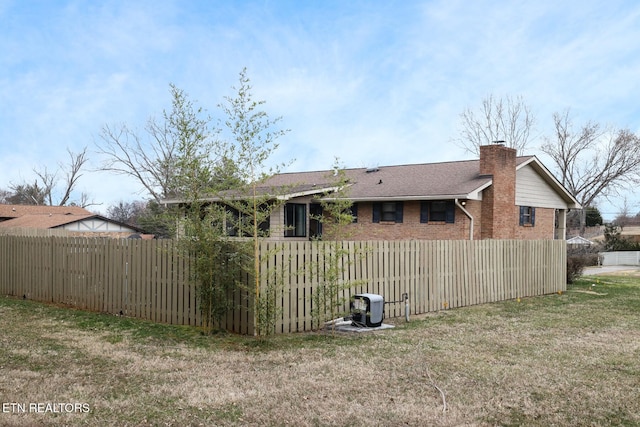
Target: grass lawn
(562, 359)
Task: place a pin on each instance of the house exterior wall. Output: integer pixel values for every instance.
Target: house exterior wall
(277, 218)
(97, 225)
(544, 227)
(276, 224)
(412, 228)
(532, 190)
(409, 228)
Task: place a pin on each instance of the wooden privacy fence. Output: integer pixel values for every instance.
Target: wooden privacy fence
(149, 279)
(436, 274)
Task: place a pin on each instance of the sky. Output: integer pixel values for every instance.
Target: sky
(372, 83)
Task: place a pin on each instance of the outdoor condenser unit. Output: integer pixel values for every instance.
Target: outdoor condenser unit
(367, 310)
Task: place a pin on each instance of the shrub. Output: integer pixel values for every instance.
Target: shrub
(575, 268)
(579, 257)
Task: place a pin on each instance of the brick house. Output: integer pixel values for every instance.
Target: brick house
(499, 196)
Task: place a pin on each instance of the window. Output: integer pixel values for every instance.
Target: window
(295, 220)
(241, 225)
(354, 212)
(232, 222)
(527, 216)
(438, 211)
(315, 220)
(387, 211)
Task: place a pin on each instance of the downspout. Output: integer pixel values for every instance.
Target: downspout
(466, 212)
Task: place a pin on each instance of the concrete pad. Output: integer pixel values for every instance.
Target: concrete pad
(348, 327)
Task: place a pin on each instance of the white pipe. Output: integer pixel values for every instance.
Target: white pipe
(466, 212)
(406, 309)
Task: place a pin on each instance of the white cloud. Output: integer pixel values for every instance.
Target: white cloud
(372, 83)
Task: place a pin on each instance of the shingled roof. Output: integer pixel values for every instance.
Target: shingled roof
(44, 220)
(424, 181)
(46, 217)
(445, 180)
(16, 211)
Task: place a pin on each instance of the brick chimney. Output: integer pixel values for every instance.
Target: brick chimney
(499, 200)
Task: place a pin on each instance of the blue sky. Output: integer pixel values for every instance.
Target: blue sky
(371, 82)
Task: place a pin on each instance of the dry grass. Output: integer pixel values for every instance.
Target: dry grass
(556, 360)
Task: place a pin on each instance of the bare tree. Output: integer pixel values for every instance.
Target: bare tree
(150, 164)
(153, 158)
(593, 162)
(126, 212)
(43, 190)
(27, 194)
(4, 196)
(509, 120)
(48, 182)
(72, 173)
(624, 217)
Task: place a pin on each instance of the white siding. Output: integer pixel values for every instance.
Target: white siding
(97, 225)
(276, 224)
(533, 190)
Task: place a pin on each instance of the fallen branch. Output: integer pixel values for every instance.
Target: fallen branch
(588, 292)
(444, 400)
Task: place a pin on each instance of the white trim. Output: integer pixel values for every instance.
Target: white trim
(466, 212)
(470, 196)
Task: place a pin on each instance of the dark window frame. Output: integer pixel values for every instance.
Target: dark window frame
(394, 212)
(294, 226)
(527, 216)
(354, 212)
(315, 220)
(445, 212)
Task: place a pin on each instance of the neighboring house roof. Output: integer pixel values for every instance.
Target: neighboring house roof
(579, 240)
(43, 220)
(68, 217)
(15, 211)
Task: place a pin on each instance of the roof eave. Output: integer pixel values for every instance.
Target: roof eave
(465, 196)
(284, 196)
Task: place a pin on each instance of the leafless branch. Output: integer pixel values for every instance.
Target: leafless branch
(498, 119)
(593, 162)
(73, 173)
(442, 395)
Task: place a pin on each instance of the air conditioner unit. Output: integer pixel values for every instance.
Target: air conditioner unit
(367, 310)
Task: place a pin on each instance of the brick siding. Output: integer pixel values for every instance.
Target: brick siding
(498, 207)
(410, 228)
(544, 227)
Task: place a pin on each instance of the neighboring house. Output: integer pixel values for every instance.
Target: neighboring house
(579, 241)
(73, 219)
(499, 196)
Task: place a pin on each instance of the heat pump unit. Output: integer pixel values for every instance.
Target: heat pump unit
(367, 310)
